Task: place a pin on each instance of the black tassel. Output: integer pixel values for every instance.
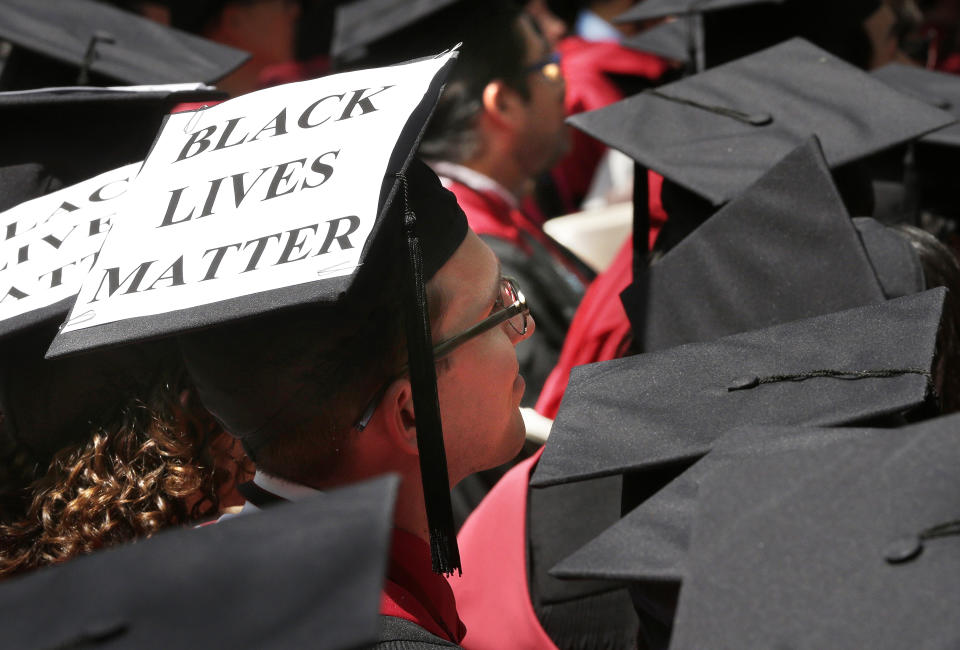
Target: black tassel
(423, 378)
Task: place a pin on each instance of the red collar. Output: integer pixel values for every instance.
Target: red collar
(415, 593)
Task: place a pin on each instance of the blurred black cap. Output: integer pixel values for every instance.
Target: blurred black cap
(650, 9)
(937, 89)
(304, 574)
(364, 22)
(57, 43)
(715, 133)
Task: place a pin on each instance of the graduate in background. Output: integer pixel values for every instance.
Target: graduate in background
(498, 125)
(265, 28)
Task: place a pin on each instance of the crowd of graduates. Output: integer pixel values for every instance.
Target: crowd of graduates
(640, 328)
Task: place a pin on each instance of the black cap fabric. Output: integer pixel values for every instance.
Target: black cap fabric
(19, 183)
(58, 40)
(938, 89)
(717, 132)
(649, 9)
(666, 408)
(361, 23)
(77, 133)
(49, 404)
(852, 551)
(294, 196)
(829, 11)
(304, 574)
(784, 250)
(650, 544)
(670, 39)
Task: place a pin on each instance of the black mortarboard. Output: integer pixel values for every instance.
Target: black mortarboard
(61, 43)
(304, 574)
(650, 9)
(670, 40)
(227, 229)
(934, 88)
(716, 132)
(25, 181)
(858, 549)
(648, 547)
(77, 133)
(47, 246)
(785, 249)
(363, 22)
(664, 409)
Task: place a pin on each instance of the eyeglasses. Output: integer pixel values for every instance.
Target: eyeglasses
(513, 311)
(549, 67)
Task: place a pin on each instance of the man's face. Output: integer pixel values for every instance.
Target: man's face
(543, 137)
(479, 382)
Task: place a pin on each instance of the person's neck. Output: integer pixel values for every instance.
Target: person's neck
(504, 170)
(410, 514)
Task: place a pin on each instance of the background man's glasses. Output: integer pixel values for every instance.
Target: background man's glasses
(549, 67)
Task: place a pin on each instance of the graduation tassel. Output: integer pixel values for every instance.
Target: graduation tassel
(423, 378)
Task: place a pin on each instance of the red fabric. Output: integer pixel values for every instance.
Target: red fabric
(415, 593)
(493, 594)
(586, 68)
(489, 214)
(600, 330)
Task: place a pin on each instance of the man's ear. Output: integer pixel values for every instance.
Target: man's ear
(399, 419)
(502, 105)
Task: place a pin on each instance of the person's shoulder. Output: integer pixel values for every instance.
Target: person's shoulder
(400, 634)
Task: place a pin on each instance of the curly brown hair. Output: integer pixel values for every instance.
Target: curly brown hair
(160, 461)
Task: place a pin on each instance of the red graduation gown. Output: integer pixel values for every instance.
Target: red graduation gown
(600, 330)
(587, 66)
(492, 593)
(415, 593)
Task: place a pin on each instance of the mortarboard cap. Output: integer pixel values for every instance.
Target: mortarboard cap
(856, 550)
(650, 543)
(858, 10)
(937, 89)
(715, 133)
(22, 182)
(665, 409)
(364, 22)
(47, 246)
(785, 249)
(77, 133)
(648, 547)
(650, 9)
(670, 39)
(299, 574)
(64, 43)
(227, 229)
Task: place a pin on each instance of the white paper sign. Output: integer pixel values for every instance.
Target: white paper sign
(269, 190)
(49, 244)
